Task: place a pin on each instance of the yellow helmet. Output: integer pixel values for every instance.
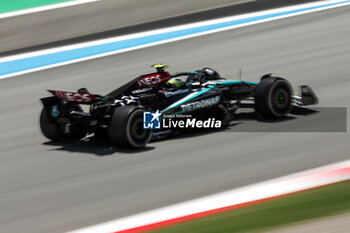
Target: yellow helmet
(157, 66)
(160, 67)
(175, 82)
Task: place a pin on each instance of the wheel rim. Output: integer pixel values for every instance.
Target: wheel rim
(137, 130)
(138, 135)
(281, 99)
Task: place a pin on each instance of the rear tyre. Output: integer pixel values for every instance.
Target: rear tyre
(126, 128)
(54, 132)
(50, 130)
(273, 97)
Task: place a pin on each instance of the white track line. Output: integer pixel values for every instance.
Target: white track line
(269, 189)
(319, 6)
(182, 27)
(44, 8)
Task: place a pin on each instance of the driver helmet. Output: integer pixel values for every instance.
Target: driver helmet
(175, 82)
(211, 73)
(160, 67)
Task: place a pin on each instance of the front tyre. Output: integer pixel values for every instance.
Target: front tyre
(273, 97)
(126, 128)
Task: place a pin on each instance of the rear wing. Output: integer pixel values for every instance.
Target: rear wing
(76, 97)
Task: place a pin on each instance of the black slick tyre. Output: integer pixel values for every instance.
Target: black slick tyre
(273, 97)
(54, 132)
(126, 128)
(50, 130)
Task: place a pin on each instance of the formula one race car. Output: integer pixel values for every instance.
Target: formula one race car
(119, 115)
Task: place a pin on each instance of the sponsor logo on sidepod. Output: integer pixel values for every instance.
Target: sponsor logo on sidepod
(137, 91)
(178, 92)
(200, 104)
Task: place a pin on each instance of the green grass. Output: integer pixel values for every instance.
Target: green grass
(15, 5)
(302, 206)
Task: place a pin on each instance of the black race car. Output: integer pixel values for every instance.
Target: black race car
(203, 94)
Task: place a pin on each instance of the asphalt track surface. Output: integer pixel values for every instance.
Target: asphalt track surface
(95, 17)
(109, 18)
(48, 187)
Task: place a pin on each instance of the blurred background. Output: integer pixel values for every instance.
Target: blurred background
(48, 187)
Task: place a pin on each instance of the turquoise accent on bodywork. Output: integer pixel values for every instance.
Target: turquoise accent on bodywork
(185, 100)
(54, 111)
(201, 92)
(235, 82)
(232, 82)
